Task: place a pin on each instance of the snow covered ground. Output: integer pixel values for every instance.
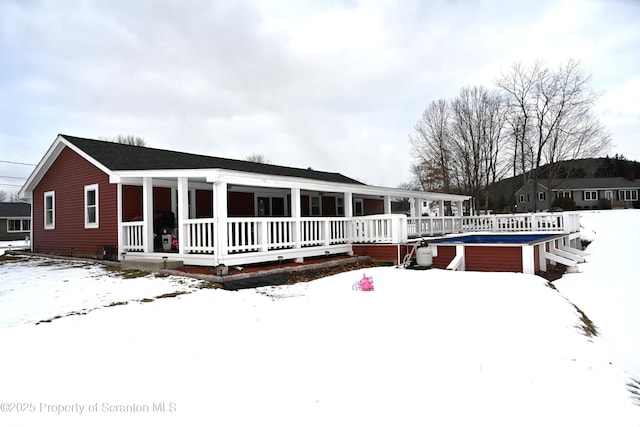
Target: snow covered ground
(13, 244)
(425, 348)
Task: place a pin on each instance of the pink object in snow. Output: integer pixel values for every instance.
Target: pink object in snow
(366, 283)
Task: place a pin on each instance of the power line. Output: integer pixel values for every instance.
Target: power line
(12, 177)
(10, 185)
(17, 163)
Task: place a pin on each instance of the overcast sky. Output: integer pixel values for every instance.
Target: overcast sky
(332, 85)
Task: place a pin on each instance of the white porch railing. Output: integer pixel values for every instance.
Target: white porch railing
(560, 222)
(133, 236)
(198, 236)
(432, 226)
(265, 234)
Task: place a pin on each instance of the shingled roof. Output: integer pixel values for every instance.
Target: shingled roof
(15, 210)
(122, 157)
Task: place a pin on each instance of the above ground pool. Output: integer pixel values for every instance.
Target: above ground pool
(516, 239)
(526, 253)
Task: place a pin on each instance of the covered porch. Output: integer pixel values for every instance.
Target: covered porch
(234, 218)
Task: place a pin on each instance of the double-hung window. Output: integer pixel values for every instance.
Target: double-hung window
(628, 195)
(91, 206)
(590, 195)
(340, 206)
(50, 210)
(316, 208)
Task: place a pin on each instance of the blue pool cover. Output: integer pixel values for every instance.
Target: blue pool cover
(517, 239)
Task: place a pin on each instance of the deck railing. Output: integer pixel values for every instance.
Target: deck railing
(263, 234)
(559, 222)
(198, 236)
(133, 236)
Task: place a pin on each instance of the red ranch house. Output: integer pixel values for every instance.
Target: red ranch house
(92, 197)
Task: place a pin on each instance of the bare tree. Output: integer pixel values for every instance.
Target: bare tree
(551, 117)
(478, 120)
(3, 196)
(257, 158)
(430, 143)
(458, 144)
(519, 86)
(127, 140)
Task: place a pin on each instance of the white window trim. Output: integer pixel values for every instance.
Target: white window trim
(319, 198)
(357, 201)
(22, 230)
(339, 206)
(590, 193)
(270, 195)
(51, 226)
(87, 224)
(633, 195)
(608, 194)
(542, 196)
(522, 198)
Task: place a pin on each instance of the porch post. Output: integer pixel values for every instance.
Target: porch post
(120, 235)
(387, 205)
(296, 214)
(220, 215)
(441, 208)
(147, 214)
(183, 208)
(460, 210)
(348, 205)
(348, 213)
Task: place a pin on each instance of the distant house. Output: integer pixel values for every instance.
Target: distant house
(97, 198)
(15, 221)
(587, 193)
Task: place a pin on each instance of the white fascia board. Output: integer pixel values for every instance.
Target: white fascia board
(47, 160)
(87, 157)
(271, 181)
(42, 167)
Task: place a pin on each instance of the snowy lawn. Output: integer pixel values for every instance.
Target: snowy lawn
(425, 348)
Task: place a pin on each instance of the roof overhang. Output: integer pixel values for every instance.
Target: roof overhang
(47, 160)
(270, 181)
(134, 177)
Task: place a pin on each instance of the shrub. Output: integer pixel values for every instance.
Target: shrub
(604, 204)
(564, 203)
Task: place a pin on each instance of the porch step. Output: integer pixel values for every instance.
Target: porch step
(151, 265)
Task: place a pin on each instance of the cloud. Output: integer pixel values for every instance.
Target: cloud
(332, 85)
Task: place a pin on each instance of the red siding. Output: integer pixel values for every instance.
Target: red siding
(387, 253)
(204, 203)
(240, 204)
(493, 258)
(373, 206)
(446, 254)
(328, 206)
(304, 205)
(131, 202)
(161, 199)
(67, 176)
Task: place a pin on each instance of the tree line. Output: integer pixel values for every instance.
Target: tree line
(534, 116)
